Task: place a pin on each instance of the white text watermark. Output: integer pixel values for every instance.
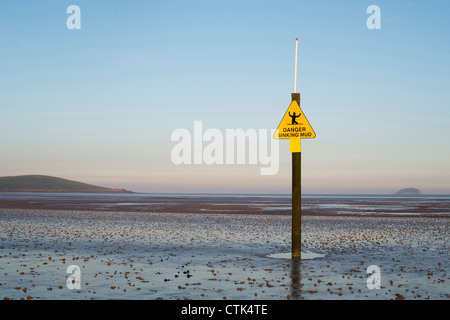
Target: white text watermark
(235, 146)
(374, 20)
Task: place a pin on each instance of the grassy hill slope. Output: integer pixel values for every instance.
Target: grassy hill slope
(39, 183)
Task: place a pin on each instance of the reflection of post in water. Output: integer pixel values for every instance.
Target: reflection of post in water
(296, 278)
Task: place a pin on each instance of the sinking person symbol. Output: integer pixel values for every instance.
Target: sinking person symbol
(294, 116)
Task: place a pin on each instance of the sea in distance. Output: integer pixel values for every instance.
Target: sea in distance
(222, 246)
(312, 204)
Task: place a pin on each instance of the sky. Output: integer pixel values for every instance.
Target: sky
(99, 104)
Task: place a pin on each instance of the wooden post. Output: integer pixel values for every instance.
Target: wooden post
(296, 198)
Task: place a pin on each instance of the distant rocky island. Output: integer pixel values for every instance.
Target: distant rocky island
(408, 192)
(40, 183)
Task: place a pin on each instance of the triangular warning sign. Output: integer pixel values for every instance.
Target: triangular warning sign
(294, 125)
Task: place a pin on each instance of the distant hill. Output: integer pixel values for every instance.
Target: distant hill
(39, 183)
(408, 192)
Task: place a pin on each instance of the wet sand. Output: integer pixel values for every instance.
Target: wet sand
(178, 248)
(232, 204)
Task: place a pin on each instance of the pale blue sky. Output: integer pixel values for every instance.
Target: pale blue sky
(99, 104)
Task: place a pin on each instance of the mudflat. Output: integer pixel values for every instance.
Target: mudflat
(183, 248)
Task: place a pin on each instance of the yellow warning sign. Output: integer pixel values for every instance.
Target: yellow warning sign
(294, 126)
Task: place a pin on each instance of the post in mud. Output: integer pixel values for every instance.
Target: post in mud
(294, 126)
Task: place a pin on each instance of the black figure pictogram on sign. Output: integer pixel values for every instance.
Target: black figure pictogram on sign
(294, 116)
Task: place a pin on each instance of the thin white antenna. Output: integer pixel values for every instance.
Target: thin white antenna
(295, 77)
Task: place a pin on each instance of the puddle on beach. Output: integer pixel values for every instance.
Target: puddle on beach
(304, 255)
